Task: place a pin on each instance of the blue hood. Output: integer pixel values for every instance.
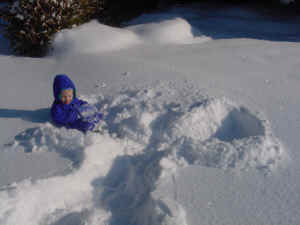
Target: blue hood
(62, 82)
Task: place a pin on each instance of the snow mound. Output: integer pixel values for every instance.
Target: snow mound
(68, 143)
(216, 133)
(176, 30)
(218, 118)
(195, 129)
(148, 133)
(92, 37)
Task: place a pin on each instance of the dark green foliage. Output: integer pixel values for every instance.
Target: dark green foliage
(32, 23)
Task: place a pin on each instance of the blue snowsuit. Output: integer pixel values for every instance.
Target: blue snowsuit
(69, 115)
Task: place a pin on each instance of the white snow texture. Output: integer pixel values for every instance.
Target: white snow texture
(158, 124)
(105, 38)
(148, 133)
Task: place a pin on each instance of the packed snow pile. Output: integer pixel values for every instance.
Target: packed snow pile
(194, 129)
(175, 30)
(104, 38)
(92, 37)
(148, 133)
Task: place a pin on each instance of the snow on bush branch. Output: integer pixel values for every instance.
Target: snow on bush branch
(32, 23)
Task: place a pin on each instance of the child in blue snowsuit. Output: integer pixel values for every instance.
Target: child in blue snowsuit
(69, 111)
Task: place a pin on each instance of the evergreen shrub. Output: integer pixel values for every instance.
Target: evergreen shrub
(32, 23)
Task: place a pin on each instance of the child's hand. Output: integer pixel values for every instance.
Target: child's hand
(86, 126)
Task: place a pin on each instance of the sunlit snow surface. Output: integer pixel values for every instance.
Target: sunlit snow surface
(148, 133)
(174, 30)
(153, 130)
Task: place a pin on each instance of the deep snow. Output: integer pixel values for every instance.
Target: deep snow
(202, 125)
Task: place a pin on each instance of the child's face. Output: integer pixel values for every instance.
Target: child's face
(66, 96)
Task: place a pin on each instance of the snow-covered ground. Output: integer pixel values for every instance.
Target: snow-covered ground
(202, 128)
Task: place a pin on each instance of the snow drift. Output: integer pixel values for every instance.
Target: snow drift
(171, 31)
(105, 38)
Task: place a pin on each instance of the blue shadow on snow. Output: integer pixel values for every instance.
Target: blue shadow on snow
(35, 116)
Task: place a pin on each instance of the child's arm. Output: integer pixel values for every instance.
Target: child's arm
(64, 118)
(70, 119)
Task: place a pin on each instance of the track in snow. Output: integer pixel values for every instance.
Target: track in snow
(149, 133)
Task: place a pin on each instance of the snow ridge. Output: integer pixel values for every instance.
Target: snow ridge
(107, 39)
